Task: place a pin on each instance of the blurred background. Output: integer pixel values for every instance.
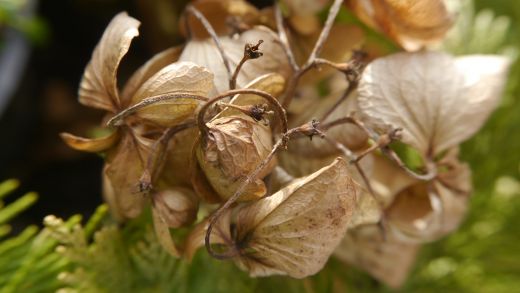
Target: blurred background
(45, 45)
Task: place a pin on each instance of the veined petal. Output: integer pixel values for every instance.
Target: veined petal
(205, 53)
(151, 67)
(98, 87)
(439, 101)
(176, 78)
(295, 230)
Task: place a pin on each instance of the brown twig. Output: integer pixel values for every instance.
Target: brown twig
(382, 142)
(213, 34)
(157, 154)
(284, 41)
(311, 60)
(250, 52)
(118, 118)
(280, 144)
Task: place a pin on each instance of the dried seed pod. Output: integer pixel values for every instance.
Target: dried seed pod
(233, 148)
(177, 207)
(411, 23)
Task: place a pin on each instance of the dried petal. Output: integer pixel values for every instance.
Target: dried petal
(163, 234)
(123, 169)
(205, 53)
(151, 67)
(303, 165)
(425, 212)
(412, 23)
(233, 149)
(176, 207)
(98, 88)
(295, 230)
(177, 78)
(93, 145)
(221, 235)
(439, 101)
(385, 258)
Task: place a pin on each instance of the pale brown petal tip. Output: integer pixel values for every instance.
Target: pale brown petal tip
(93, 145)
(98, 87)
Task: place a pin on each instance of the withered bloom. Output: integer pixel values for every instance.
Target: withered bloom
(129, 146)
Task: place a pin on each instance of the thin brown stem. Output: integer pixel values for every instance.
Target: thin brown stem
(333, 12)
(282, 34)
(351, 86)
(250, 52)
(158, 153)
(280, 144)
(219, 212)
(214, 37)
(118, 118)
(280, 112)
(311, 60)
(382, 142)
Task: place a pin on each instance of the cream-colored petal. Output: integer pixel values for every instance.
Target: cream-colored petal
(176, 78)
(98, 87)
(176, 207)
(295, 230)
(426, 212)
(205, 53)
(382, 256)
(439, 101)
(93, 145)
(301, 165)
(151, 67)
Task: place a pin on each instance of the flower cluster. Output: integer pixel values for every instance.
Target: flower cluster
(214, 134)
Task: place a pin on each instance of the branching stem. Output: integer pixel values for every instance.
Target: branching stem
(280, 112)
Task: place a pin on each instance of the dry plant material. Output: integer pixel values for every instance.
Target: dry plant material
(413, 24)
(285, 138)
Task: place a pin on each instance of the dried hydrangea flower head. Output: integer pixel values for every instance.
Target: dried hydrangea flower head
(217, 132)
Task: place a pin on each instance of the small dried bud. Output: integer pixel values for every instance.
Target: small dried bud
(233, 149)
(251, 51)
(177, 207)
